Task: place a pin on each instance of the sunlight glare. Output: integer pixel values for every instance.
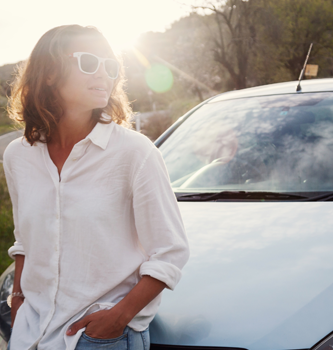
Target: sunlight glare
(120, 22)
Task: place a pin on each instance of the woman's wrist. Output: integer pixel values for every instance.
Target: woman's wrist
(12, 298)
(142, 294)
(122, 314)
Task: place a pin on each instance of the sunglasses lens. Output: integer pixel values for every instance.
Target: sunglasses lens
(111, 67)
(89, 63)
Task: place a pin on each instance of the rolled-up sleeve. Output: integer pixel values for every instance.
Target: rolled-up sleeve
(17, 248)
(158, 221)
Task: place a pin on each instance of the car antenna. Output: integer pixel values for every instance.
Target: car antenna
(303, 70)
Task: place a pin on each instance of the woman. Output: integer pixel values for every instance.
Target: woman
(97, 228)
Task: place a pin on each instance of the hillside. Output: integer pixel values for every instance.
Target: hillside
(6, 77)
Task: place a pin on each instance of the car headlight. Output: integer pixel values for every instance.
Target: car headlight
(6, 288)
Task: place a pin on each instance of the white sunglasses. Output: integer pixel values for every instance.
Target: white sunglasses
(89, 64)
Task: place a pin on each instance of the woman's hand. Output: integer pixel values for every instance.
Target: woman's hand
(104, 324)
(108, 324)
(16, 303)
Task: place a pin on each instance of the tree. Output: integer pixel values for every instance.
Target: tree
(302, 22)
(183, 48)
(265, 41)
(233, 35)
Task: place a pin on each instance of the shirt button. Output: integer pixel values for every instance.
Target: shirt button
(74, 158)
(57, 216)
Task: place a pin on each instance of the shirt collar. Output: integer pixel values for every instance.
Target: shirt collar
(100, 134)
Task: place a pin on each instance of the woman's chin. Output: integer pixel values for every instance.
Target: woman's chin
(100, 104)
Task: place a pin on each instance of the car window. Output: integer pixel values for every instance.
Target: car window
(269, 143)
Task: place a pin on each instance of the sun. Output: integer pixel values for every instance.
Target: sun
(123, 41)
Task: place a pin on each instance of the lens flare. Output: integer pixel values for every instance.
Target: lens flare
(159, 78)
(141, 58)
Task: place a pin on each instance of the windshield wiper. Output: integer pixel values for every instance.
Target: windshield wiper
(239, 195)
(328, 196)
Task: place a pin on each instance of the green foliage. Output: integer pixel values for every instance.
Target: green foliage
(6, 124)
(298, 23)
(3, 112)
(178, 47)
(7, 74)
(259, 42)
(6, 77)
(230, 44)
(6, 223)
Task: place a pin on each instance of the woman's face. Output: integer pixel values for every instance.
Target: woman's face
(84, 92)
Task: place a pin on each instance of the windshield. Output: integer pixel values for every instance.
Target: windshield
(278, 143)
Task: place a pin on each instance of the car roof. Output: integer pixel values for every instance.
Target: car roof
(315, 85)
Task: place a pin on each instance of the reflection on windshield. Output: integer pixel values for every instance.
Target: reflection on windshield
(270, 143)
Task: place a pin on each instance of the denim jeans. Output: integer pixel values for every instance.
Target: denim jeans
(130, 340)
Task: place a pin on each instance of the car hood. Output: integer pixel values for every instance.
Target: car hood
(260, 276)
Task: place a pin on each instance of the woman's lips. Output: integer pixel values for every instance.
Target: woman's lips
(98, 91)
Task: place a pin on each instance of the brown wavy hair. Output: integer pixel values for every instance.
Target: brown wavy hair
(36, 104)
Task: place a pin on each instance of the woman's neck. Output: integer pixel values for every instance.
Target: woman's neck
(72, 128)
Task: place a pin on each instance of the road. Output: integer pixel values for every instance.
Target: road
(6, 139)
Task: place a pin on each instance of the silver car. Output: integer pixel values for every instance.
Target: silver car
(253, 173)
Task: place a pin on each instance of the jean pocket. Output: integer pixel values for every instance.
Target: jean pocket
(146, 339)
(103, 341)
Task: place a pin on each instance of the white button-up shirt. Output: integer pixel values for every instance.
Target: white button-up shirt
(89, 234)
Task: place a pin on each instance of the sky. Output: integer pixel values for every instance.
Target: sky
(23, 22)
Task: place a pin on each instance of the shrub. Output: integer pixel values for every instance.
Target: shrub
(155, 125)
